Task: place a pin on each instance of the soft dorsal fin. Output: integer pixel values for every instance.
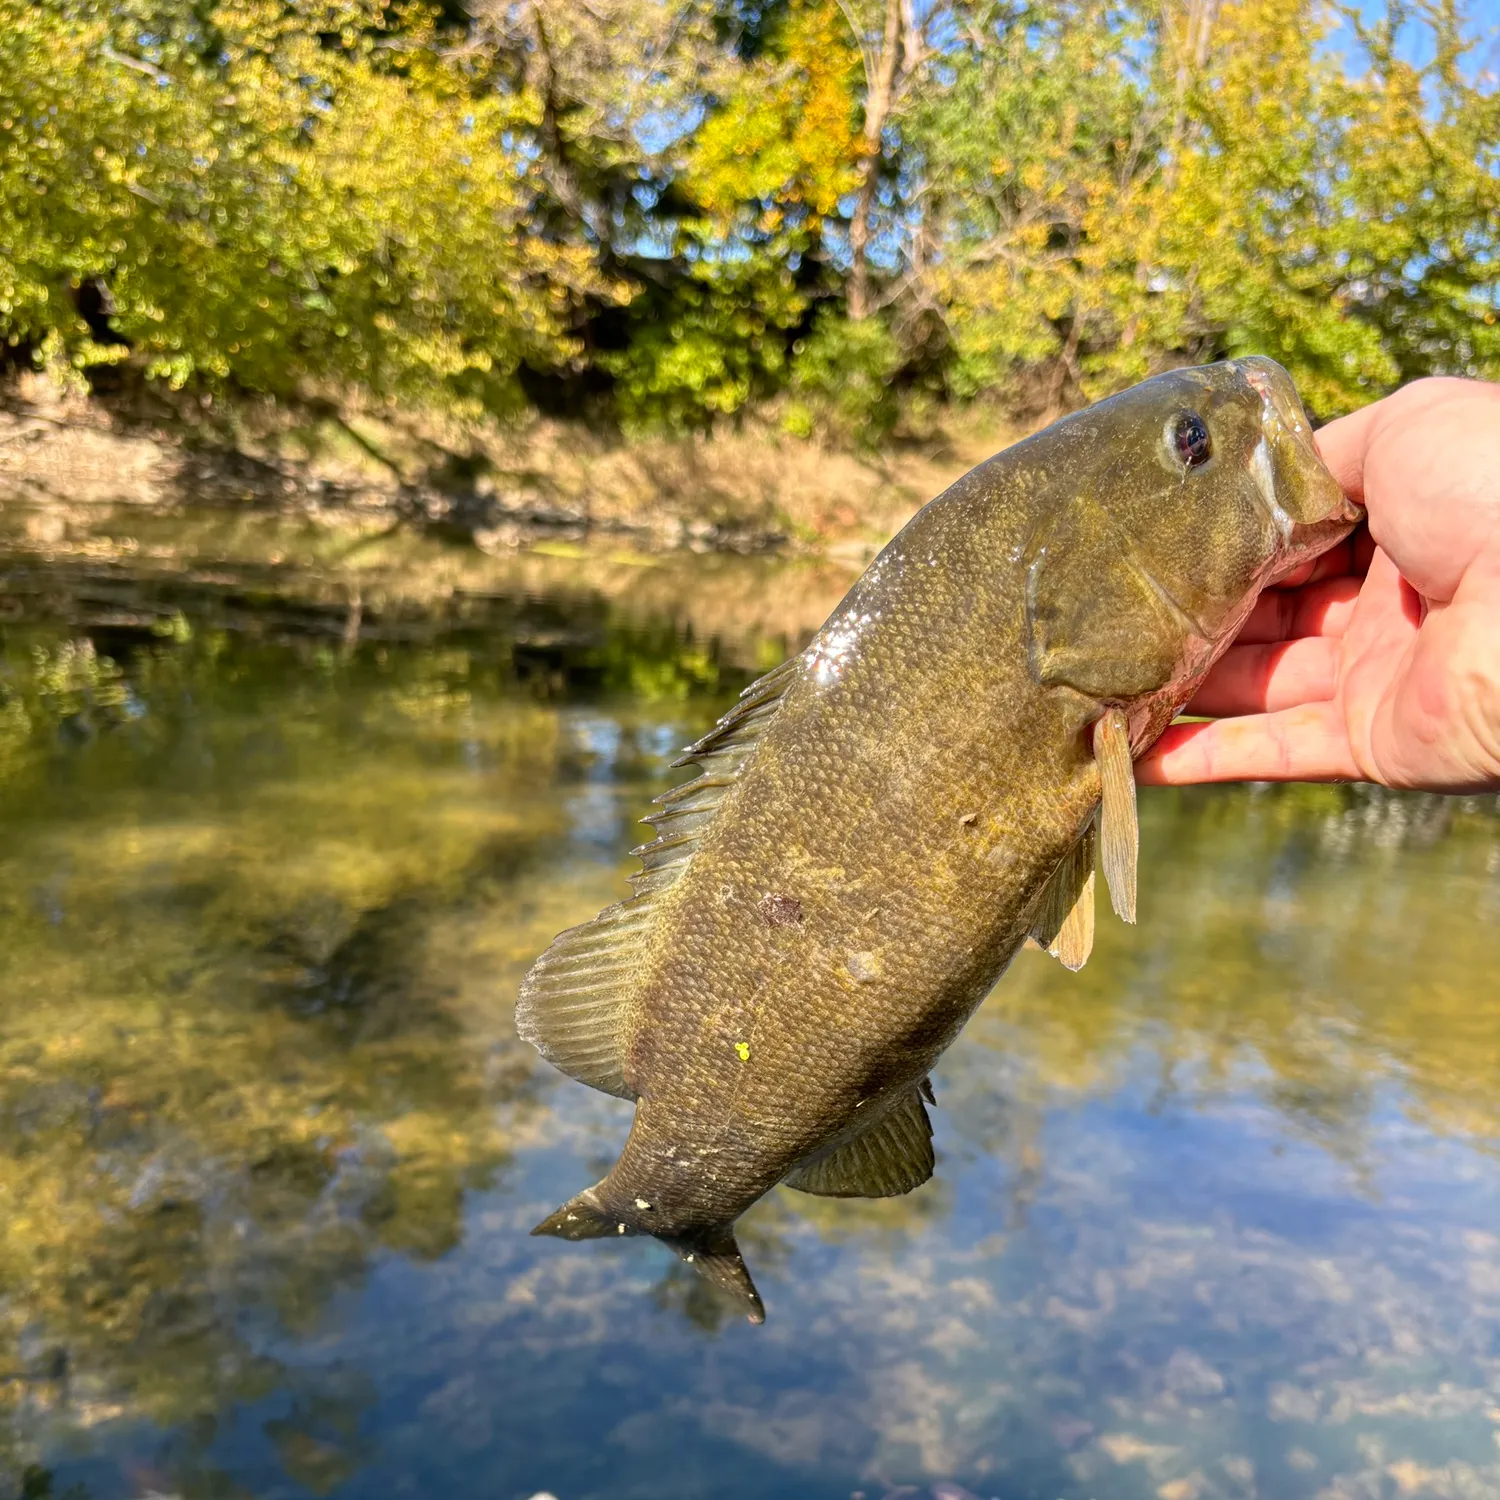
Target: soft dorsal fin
(571, 1006)
(891, 1157)
(1064, 922)
(573, 1002)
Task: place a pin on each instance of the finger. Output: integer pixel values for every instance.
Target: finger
(1438, 728)
(1388, 613)
(1266, 679)
(1286, 614)
(1307, 743)
(1342, 445)
(1377, 647)
(1337, 561)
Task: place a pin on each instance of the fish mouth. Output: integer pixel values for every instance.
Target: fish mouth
(1351, 514)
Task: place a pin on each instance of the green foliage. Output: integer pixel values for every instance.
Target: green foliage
(716, 341)
(1037, 155)
(778, 154)
(1262, 195)
(1362, 247)
(426, 201)
(286, 193)
(842, 376)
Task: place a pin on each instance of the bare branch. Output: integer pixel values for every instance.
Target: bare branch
(146, 193)
(140, 65)
(877, 112)
(859, 38)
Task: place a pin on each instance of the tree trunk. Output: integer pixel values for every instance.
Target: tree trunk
(877, 110)
(1192, 55)
(541, 77)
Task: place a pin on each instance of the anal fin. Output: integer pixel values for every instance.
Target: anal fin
(891, 1157)
(1064, 923)
(1119, 828)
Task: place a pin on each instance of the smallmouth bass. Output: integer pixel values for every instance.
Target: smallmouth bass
(880, 823)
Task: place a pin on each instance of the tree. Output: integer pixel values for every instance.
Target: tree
(312, 196)
(654, 210)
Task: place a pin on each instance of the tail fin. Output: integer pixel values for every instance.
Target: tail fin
(713, 1254)
(717, 1258)
(584, 1218)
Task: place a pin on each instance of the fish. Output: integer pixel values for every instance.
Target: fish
(880, 823)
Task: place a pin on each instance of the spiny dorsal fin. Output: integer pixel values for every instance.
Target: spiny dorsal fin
(1064, 923)
(573, 1003)
(1119, 830)
(746, 721)
(687, 811)
(891, 1157)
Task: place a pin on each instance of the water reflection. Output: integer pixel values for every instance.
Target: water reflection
(1219, 1216)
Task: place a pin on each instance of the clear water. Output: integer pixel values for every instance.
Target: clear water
(1217, 1217)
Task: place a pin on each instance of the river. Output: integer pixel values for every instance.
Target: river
(1217, 1217)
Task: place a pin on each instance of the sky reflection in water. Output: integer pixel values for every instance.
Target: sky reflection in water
(1217, 1217)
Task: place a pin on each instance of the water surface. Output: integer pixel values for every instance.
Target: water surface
(1217, 1217)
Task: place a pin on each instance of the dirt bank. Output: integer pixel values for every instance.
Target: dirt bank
(501, 490)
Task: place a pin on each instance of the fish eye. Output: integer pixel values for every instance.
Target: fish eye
(1188, 435)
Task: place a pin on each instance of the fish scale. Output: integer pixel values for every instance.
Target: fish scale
(880, 823)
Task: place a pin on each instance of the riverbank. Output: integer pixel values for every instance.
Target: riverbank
(66, 460)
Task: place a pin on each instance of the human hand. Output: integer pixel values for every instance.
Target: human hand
(1380, 661)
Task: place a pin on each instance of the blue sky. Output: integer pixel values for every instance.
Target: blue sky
(1484, 26)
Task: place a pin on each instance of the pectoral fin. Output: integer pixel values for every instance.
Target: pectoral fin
(1119, 829)
(1064, 923)
(890, 1158)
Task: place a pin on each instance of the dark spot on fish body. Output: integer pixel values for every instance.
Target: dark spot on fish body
(780, 911)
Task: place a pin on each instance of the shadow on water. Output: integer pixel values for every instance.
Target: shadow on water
(1214, 1217)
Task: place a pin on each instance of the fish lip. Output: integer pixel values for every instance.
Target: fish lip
(1279, 399)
